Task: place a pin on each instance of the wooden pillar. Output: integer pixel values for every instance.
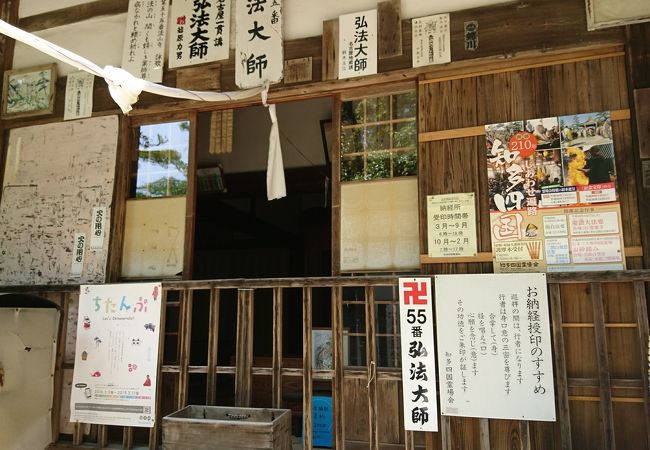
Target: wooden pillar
(244, 358)
(276, 395)
(213, 345)
(307, 385)
(338, 410)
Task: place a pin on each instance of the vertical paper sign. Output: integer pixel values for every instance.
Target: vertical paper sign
(200, 32)
(451, 221)
(98, 224)
(259, 55)
(358, 44)
(431, 40)
(494, 346)
(144, 39)
(116, 359)
(418, 360)
(79, 95)
(78, 252)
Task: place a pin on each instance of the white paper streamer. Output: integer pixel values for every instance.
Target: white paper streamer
(275, 185)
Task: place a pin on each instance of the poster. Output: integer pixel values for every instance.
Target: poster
(358, 44)
(418, 354)
(552, 185)
(116, 359)
(199, 32)
(431, 40)
(79, 95)
(494, 346)
(451, 222)
(144, 39)
(259, 54)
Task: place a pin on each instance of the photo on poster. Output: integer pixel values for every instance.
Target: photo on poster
(546, 132)
(586, 129)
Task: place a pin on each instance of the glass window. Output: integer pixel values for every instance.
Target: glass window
(162, 160)
(379, 137)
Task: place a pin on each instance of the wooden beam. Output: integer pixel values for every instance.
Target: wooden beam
(336, 187)
(605, 390)
(559, 355)
(73, 14)
(58, 365)
(213, 346)
(389, 28)
(330, 52)
(185, 339)
(190, 198)
(371, 364)
(155, 431)
(244, 350)
(276, 395)
(641, 313)
(307, 384)
(338, 410)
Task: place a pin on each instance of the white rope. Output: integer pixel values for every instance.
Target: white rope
(124, 87)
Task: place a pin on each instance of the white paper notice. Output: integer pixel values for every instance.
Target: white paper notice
(557, 251)
(358, 44)
(200, 32)
(555, 225)
(418, 355)
(451, 220)
(116, 361)
(97, 232)
(78, 253)
(144, 39)
(494, 346)
(596, 249)
(79, 95)
(259, 56)
(594, 223)
(431, 40)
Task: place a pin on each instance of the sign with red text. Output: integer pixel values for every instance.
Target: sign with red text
(116, 360)
(494, 346)
(418, 354)
(358, 44)
(259, 55)
(552, 181)
(451, 225)
(199, 32)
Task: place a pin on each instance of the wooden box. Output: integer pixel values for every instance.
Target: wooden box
(224, 427)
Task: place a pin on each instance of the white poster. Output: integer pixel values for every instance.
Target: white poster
(79, 95)
(98, 226)
(259, 53)
(451, 220)
(431, 40)
(116, 361)
(358, 44)
(144, 39)
(418, 354)
(199, 32)
(78, 253)
(494, 346)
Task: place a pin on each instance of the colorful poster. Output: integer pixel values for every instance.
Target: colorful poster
(451, 220)
(553, 177)
(418, 354)
(431, 40)
(494, 346)
(358, 44)
(200, 32)
(144, 39)
(259, 56)
(116, 359)
(79, 95)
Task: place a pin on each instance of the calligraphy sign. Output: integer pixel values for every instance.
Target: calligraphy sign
(431, 40)
(116, 360)
(494, 346)
(259, 53)
(144, 39)
(358, 44)
(451, 222)
(418, 360)
(200, 31)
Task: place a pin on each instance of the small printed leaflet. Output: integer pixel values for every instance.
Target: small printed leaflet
(451, 225)
(200, 32)
(431, 40)
(418, 354)
(116, 359)
(79, 95)
(144, 39)
(259, 55)
(358, 44)
(493, 331)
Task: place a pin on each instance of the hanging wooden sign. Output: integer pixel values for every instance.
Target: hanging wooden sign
(358, 44)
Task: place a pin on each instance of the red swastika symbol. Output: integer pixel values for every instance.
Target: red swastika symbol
(415, 293)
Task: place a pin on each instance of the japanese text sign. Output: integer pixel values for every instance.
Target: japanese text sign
(493, 331)
(116, 358)
(200, 32)
(144, 39)
(418, 354)
(259, 54)
(451, 222)
(431, 40)
(358, 44)
(79, 95)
